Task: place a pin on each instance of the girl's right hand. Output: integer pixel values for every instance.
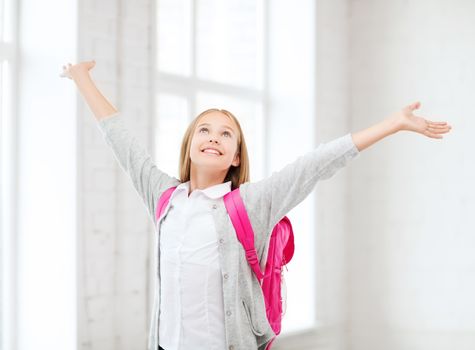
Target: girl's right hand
(70, 70)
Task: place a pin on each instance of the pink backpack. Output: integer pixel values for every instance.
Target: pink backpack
(281, 251)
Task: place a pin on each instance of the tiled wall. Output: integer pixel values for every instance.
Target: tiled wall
(115, 233)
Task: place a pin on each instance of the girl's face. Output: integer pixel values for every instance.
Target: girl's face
(214, 143)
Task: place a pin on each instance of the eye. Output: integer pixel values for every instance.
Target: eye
(203, 129)
(227, 132)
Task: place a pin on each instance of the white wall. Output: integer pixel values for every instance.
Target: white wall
(411, 233)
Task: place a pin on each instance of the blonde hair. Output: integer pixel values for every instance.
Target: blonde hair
(237, 175)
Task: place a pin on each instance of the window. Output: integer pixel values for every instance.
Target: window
(205, 60)
(7, 176)
(228, 54)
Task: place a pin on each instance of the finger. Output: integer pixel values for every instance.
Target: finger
(435, 132)
(414, 105)
(432, 135)
(437, 126)
(438, 131)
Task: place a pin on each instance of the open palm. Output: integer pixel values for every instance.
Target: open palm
(408, 121)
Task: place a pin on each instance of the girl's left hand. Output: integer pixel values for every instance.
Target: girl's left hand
(406, 120)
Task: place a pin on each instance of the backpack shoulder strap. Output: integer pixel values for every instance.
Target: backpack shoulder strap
(238, 214)
(163, 201)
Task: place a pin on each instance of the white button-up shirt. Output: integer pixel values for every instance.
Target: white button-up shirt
(191, 305)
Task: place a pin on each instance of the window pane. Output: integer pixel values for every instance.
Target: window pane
(172, 121)
(6, 198)
(229, 38)
(300, 277)
(174, 36)
(250, 117)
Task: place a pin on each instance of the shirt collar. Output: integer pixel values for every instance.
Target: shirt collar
(215, 191)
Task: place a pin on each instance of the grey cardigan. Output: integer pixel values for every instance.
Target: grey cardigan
(266, 201)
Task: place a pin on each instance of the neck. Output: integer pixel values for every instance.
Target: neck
(202, 179)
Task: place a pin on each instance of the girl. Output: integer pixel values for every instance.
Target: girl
(209, 298)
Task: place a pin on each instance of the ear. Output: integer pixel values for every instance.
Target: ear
(236, 161)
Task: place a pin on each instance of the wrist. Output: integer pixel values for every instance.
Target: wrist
(392, 124)
(79, 74)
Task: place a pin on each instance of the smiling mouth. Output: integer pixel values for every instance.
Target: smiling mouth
(214, 153)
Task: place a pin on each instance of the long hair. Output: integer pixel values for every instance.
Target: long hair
(237, 175)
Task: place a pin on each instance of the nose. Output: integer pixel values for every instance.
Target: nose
(214, 140)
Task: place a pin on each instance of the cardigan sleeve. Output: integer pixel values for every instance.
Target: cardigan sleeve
(271, 198)
(148, 181)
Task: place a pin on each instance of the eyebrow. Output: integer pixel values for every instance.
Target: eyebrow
(224, 126)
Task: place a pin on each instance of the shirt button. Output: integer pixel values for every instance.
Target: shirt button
(221, 240)
(214, 206)
(228, 313)
(231, 347)
(226, 276)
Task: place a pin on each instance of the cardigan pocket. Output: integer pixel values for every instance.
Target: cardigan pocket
(249, 318)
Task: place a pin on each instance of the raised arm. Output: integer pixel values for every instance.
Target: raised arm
(401, 120)
(148, 180)
(271, 198)
(94, 98)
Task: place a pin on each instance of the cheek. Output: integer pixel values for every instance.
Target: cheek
(234, 146)
(195, 142)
